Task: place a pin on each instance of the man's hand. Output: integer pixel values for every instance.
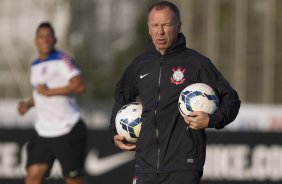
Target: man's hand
(43, 89)
(121, 143)
(24, 106)
(75, 86)
(197, 120)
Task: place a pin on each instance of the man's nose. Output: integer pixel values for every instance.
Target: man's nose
(161, 30)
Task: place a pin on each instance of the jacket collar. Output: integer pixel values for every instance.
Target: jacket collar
(176, 47)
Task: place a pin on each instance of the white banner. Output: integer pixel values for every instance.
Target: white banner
(252, 117)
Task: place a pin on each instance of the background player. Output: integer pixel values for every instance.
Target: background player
(59, 131)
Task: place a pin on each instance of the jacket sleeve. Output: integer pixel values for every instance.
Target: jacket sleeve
(229, 102)
(125, 92)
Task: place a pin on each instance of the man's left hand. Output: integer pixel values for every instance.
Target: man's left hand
(43, 89)
(197, 120)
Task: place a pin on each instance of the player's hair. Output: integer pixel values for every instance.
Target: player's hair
(164, 4)
(48, 25)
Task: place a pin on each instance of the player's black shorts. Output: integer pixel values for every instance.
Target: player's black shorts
(177, 177)
(69, 149)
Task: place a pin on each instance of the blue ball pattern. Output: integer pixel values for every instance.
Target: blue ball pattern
(129, 126)
(186, 97)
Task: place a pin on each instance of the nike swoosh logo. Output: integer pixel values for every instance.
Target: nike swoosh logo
(97, 166)
(142, 76)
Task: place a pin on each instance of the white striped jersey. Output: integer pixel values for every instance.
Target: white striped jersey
(56, 115)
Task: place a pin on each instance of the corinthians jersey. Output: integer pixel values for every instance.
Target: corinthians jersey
(56, 115)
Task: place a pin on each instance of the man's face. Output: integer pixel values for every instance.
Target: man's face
(163, 28)
(44, 41)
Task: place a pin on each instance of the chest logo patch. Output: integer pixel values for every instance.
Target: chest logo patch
(178, 77)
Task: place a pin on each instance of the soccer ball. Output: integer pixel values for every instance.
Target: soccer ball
(128, 121)
(197, 97)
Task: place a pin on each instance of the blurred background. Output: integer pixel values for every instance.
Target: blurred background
(242, 38)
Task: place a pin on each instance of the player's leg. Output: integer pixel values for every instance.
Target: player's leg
(70, 151)
(39, 160)
(36, 173)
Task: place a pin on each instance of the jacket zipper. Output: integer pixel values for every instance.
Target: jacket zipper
(157, 130)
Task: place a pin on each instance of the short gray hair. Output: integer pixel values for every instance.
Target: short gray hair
(163, 4)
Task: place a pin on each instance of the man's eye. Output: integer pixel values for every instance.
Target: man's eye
(166, 25)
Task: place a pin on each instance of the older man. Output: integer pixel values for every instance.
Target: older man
(170, 149)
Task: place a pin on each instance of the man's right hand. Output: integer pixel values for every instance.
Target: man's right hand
(121, 143)
(23, 107)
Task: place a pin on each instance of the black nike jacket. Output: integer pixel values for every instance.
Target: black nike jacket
(165, 143)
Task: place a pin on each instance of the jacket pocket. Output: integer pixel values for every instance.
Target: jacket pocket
(193, 137)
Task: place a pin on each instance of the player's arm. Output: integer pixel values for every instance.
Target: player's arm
(24, 106)
(75, 86)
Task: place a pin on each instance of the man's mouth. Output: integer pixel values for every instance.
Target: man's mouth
(161, 41)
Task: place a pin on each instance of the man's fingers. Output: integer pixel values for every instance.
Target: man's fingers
(122, 144)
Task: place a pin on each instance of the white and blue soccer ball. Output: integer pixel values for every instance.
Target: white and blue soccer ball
(197, 97)
(128, 121)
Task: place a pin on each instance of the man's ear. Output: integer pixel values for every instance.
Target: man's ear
(179, 26)
(55, 40)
